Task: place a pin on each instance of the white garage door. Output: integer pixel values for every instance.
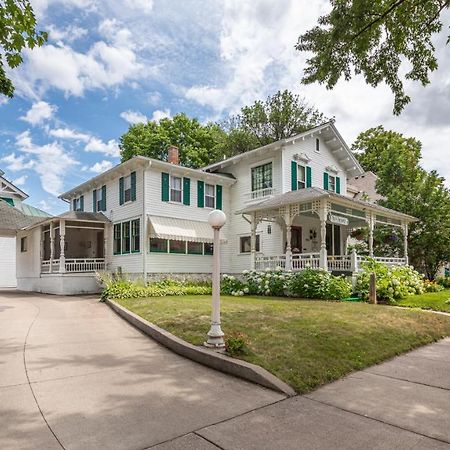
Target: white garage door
(8, 262)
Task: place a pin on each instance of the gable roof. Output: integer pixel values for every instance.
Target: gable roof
(12, 219)
(9, 188)
(328, 129)
(143, 161)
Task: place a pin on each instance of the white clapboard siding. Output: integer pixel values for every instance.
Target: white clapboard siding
(8, 262)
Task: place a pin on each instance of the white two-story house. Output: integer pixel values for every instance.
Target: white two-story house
(287, 206)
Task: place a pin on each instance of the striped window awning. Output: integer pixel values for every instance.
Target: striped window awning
(180, 229)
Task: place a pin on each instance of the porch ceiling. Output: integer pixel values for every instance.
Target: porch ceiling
(309, 195)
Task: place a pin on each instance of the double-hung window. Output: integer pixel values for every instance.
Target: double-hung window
(126, 243)
(301, 177)
(262, 177)
(332, 183)
(245, 244)
(135, 236)
(127, 237)
(99, 200)
(127, 188)
(210, 196)
(176, 189)
(78, 204)
(117, 250)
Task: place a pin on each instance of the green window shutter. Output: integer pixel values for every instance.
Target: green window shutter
(121, 191)
(200, 194)
(94, 200)
(133, 186)
(186, 191)
(294, 176)
(308, 177)
(338, 185)
(164, 187)
(82, 203)
(218, 196)
(325, 181)
(103, 198)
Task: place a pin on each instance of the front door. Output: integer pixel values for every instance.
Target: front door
(296, 239)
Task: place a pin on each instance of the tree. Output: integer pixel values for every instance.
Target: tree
(197, 142)
(374, 38)
(17, 31)
(280, 116)
(408, 188)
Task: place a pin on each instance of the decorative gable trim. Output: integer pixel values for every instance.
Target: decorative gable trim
(303, 157)
(332, 169)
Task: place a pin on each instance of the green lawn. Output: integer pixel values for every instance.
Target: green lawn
(306, 343)
(437, 301)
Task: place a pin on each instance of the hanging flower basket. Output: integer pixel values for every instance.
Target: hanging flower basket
(358, 234)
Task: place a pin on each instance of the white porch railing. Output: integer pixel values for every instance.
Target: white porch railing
(270, 262)
(74, 265)
(260, 194)
(337, 263)
(340, 263)
(305, 260)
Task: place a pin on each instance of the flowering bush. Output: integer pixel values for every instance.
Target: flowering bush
(320, 284)
(392, 282)
(432, 286)
(307, 284)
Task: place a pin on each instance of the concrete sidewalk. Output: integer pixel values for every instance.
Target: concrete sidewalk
(74, 375)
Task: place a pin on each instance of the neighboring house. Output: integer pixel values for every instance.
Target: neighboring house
(364, 187)
(14, 214)
(287, 205)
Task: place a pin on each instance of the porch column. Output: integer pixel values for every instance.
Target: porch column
(52, 246)
(62, 241)
(253, 243)
(405, 243)
(323, 258)
(371, 223)
(288, 246)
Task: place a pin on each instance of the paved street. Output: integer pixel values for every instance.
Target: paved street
(74, 375)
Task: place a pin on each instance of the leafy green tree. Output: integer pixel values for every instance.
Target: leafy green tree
(408, 188)
(280, 116)
(374, 38)
(17, 31)
(197, 142)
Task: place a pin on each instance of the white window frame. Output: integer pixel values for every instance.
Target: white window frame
(260, 164)
(213, 187)
(301, 183)
(99, 199)
(127, 188)
(77, 204)
(258, 238)
(332, 183)
(171, 188)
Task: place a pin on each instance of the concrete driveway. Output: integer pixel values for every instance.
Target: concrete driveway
(75, 375)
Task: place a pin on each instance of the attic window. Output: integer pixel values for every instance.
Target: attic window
(317, 145)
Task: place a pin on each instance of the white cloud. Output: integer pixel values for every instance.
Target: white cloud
(17, 163)
(20, 181)
(67, 133)
(69, 34)
(133, 116)
(39, 112)
(101, 166)
(154, 98)
(51, 162)
(110, 148)
(40, 6)
(159, 114)
(3, 100)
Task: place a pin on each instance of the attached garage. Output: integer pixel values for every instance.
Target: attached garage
(8, 262)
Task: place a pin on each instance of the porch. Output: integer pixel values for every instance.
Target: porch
(316, 226)
(75, 242)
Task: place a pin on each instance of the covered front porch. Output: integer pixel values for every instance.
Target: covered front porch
(74, 243)
(316, 228)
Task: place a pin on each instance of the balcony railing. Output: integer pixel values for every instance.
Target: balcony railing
(260, 194)
(74, 265)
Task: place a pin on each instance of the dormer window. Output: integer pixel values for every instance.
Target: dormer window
(317, 145)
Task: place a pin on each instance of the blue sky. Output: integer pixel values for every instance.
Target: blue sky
(106, 66)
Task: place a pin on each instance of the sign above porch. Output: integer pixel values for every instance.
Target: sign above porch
(338, 220)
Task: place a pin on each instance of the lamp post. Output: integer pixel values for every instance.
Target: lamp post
(217, 220)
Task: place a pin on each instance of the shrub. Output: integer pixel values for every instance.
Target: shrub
(230, 285)
(119, 288)
(444, 281)
(432, 286)
(392, 282)
(235, 344)
(270, 282)
(319, 284)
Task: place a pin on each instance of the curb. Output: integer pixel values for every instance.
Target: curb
(217, 361)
